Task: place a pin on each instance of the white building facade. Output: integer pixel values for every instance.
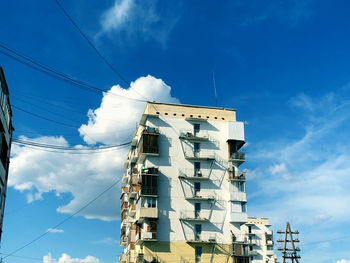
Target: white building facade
(183, 195)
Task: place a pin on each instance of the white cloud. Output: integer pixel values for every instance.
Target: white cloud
(55, 230)
(343, 261)
(65, 258)
(106, 241)
(278, 168)
(116, 16)
(101, 129)
(84, 176)
(135, 18)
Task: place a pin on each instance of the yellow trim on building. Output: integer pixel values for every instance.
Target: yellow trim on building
(189, 111)
(185, 252)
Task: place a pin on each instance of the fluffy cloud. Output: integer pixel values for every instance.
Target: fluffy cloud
(84, 176)
(55, 230)
(117, 117)
(343, 261)
(137, 18)
(68, 259)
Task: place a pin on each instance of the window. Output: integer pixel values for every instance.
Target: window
(197, 210)
(149, 184)
(3, 150)
(197, 188)
(244, 207)
(250, 229)
(196, 147)
(148, 202)
(196, 128)
(198, 251)
(197, 232)
(197, 169)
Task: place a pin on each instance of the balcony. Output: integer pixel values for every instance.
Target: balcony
(237, 157)
(125, 178)
(233, 177)
(123, 241)
(191, 174)
(132, 210)
(269, 242)
(145, 236)
(199, 155)
(238, 196)
(192, 215)
(134, 189)
(189, 135)
(252, 253)
(200, 196)
(238, 217)
(134, 156)
(122, 258)
(270, 253)
(133, 179)
(143, 213)
(202, 238)
(148, 145)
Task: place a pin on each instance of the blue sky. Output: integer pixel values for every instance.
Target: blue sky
(284, 65)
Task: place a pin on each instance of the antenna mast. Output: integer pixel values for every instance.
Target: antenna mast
(289, 253)
(216, 96)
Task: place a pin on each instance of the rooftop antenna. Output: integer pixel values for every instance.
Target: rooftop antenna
(216, 96)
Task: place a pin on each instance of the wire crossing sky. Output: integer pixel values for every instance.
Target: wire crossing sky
(80, 73)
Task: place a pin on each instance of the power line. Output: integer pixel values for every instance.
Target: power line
(44, 118)
(69, 152)
(94, 47)
(64, 220)
(41, 67)
(90, 43)
(61, 147)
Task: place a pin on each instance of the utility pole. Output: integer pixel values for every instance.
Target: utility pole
(287, 251)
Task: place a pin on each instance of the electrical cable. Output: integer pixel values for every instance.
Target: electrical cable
(90, 43)
(64, 220)
(30, 62)
(69, 152)
(94, 47)
(44, 118)
(67, 148)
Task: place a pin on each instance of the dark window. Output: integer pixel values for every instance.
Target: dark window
(196, 128)
(197, 188)
(196, 147)
(149, 143)
(149, 184)
(197, 169)
(3, 151)
(197, 210)
(198, 251)
(197, 232)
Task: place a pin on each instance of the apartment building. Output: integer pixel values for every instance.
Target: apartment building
(5, 140)
(260, 239)
(183, 195)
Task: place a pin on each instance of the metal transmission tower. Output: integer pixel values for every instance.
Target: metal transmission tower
(289, 252)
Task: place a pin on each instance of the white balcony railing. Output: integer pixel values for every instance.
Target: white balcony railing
(238, 196)
(201, 215)
(146, 236)
(200, 195)
(201, 154)
(202, 237)
(192, 173)
(238, 217)
(190, 135)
